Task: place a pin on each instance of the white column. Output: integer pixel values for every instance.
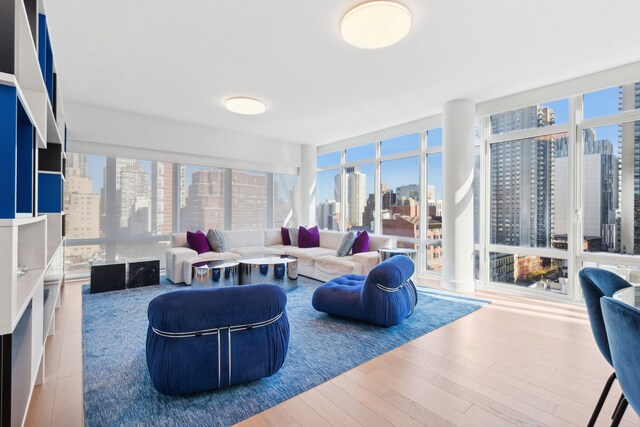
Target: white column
(308, 186)
(458, 126)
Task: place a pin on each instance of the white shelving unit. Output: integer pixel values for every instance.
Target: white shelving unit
(31, 221)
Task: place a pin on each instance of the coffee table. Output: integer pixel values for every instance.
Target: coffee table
(210, 274)
(279, 270)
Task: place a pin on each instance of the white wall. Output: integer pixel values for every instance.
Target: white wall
(94, 130)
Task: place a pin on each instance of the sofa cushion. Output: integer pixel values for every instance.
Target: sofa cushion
(332, 266)
(179, 240)
(217, 240)
(244, 238)
(307, 256)
(272, 236)
(344, 247)
(379, 242)
(368, 260)
(330, 239)
(361, 244)
(198, 241)
(293, 236)
(253, 251)
(308, 237)
(286, 239)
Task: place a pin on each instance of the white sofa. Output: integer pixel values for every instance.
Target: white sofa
(319, 263)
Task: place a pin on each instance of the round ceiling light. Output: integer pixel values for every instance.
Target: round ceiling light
(243, 105)
(376, 24)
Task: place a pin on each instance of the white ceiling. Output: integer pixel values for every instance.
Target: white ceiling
(179, 60)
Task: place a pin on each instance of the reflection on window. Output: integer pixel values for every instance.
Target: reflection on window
(400, 144)
(283, 200)
(611, 101)
(400, 197)
(360, 153)
(359, 198)
(534, 116)
(533, 272)
(328, 195)
(529, 192)
(201, 198)
(249, 200)
(611, 189)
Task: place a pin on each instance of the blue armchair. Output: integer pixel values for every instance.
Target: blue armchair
(204, 339)
(385, 297)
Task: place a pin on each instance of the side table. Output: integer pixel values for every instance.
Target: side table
(143, 272)
(107, 276)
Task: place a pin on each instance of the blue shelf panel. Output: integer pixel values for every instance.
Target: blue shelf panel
(17, 156)
(45, 55)
(50, 192)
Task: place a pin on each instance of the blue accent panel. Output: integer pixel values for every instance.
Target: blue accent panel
(8, 120)
(49, 76)
(25, 162)
(49, 193)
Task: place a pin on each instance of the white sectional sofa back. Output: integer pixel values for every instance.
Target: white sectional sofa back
(320, 263)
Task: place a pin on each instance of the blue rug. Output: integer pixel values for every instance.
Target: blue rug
(118, 390)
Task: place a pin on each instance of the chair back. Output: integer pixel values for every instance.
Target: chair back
(597, 283)
(623, 329)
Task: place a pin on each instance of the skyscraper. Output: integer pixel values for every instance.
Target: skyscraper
(356, 197)
(204, 205)
(249, 196)
(522, 180)
(629, 139)
(162, 198)
(133, 192)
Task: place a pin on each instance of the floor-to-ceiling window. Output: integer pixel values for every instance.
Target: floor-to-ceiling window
(329, 192)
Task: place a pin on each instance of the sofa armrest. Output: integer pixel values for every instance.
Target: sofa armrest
(175, 257)
(368, 260)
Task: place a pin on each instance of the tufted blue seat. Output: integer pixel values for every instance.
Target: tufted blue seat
(385, 297)
(204, 339)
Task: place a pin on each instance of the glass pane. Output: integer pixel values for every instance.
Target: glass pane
(77, 258)
(162, 198)
(533, 272)
(434, 137)
(201, 197)
(132, 250)
(528, 194)
(83, 196)
(611, 101)
(328, 197)
(434, 203)
(328, 159)
(362, 152)
(400, 144)
(132, 208)
(249, 200)
(400, 197)
(360, 200)
(611, 192)
(284, 187)
(629, 273)
(534, 116)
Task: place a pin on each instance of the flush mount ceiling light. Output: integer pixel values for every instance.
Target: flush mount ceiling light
(243, 105)
(376, 24)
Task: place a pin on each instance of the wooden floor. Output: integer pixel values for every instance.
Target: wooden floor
(515, 362)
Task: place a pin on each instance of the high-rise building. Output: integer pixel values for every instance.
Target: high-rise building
(522, 180)
(356, 197)
(629, 140)
(328, 215)
(162, 198)
(133, 191)
(249, 200)
(204, 204)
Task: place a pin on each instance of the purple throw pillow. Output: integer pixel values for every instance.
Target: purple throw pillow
(361, 243)
(197, 241)
(308, 238)
(286, 239)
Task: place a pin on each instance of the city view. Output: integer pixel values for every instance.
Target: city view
(139, 198)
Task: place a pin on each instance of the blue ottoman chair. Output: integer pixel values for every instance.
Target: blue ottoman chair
(385, 297)
(205, 339)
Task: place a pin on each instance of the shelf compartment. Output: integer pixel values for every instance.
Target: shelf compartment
(50, 186)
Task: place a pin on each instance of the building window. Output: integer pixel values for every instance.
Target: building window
(328, 199)
(434, 212)
(534, 116)
(400, 144)
(400, 194)
(359, 212)
(284, 188)
(202, 197)
(249, 200)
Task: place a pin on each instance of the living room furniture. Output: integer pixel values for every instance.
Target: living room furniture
(622, 323)
(108, 276)
(385, 297)
(598, 283)
(143, 272)
(281, 270)
(205, 339)
(321, 263)
(216, 273)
